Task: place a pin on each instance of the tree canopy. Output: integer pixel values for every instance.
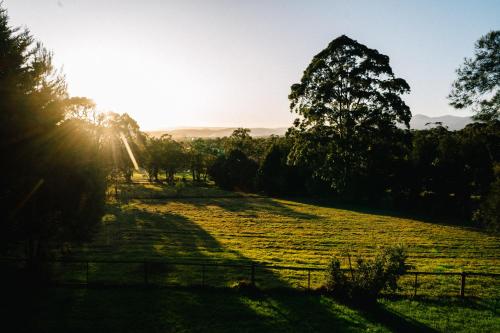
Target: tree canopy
(52, 186)
(478, 83)
(348, 102)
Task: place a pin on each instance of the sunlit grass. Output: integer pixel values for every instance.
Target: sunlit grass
(217, 225)
(213, 226)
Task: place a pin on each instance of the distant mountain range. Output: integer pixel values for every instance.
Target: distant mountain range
(418, 121)
(453, 123)
(215, 132)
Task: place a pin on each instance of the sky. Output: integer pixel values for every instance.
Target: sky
(212, 63)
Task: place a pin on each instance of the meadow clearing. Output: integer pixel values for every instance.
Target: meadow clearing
(206, 224)
(203, 224)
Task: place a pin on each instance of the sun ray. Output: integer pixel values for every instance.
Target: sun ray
(129, 151)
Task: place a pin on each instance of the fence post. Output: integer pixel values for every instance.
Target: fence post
(462, 285)
(87, 273)
(252, 277)
(308, 279)
(203, 274)
(416, 284)
(146, 280)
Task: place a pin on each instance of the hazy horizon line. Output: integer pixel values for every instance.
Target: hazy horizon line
(170, 128)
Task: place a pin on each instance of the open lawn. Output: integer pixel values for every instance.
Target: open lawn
(205, 224)
(228, 227)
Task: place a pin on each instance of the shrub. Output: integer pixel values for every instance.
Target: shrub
(244, 286)
(179, 187)
(364, 282)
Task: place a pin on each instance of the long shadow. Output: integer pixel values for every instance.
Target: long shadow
(154, 234)
(211, 195)
(137, 234)
(163, 239)
(367, 209)
(194, 310)
(249, 205)
(396, 322)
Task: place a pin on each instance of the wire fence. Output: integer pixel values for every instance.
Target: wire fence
(218, 274)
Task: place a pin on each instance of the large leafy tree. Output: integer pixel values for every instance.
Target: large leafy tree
(201, 154)
(349, 106)
(478, 82)
(125, 143)
(52, 188)
(234, 172)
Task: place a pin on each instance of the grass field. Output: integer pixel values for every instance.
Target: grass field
(208, 224)
(205, 224)
(225, 310)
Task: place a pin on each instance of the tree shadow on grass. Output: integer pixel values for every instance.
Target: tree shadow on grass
(251, 206)
(128, 191)
(146, 309)
(371, 210)
(393, 320)
(177, 250)
(195, 310)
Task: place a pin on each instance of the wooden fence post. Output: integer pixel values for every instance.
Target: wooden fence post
(462, 285)
(416, 284)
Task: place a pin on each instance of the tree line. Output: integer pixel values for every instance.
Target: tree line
(433, 171)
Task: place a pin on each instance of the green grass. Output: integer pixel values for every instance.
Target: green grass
(226, 227)
(449, 314)
(213, 226)
(225, 310)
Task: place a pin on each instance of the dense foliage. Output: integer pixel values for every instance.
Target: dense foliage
(478, 82)
(349, 105)
(364, 281)
(53, 184)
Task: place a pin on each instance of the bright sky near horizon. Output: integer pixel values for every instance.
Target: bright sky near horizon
(231, 63)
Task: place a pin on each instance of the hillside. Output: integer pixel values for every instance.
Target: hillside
(418, 121)
(453, 123)
(215, 132)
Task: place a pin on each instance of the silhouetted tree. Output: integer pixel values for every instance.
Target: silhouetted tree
(349, 103)
(478, 82)
(172, 157)
(488, 214)
(153, 157)
(201, 155)
(236, 171)
(275, 176)
(52, 185)
(123, 130)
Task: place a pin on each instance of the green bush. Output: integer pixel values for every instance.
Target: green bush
(179, 187)
(364, 282)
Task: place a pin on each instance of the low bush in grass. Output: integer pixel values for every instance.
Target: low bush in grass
(364, 282)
